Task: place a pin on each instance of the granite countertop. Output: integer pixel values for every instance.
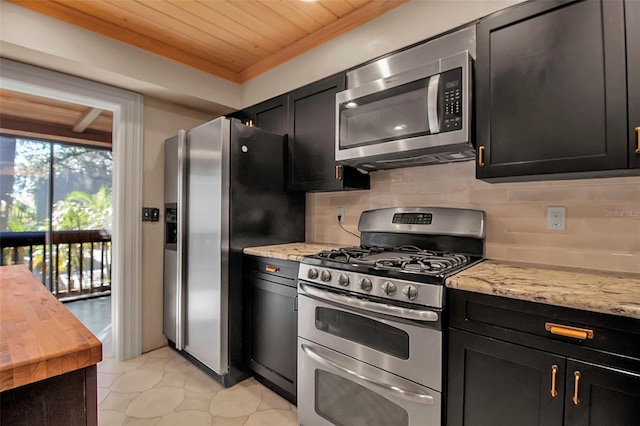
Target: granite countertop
(39, 337)
(605, 292)
(291, 251)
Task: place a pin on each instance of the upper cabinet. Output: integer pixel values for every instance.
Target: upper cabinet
(307, 116)
(271, 115)
(632, 15)
(312, 133)
(551, 81)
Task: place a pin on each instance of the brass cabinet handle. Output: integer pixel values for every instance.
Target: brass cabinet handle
(554, 371)
(481, 155)
(576, 376)
(565, 330)
(638, 137)
(270, 268)
(338, 170)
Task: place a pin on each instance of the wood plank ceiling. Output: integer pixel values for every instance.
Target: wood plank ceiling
(233, 39)
(36, 117)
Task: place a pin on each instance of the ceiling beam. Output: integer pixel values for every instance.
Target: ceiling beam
(85, 119)
(34, 129)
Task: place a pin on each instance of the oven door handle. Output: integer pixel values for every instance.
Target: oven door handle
(352, 302)
(419, 398)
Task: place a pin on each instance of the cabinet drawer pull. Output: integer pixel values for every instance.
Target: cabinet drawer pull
(565, 330)
(481, 155)
(638, 139)
(554, 372)
(338, 172)
(576, 376)
(270, 268)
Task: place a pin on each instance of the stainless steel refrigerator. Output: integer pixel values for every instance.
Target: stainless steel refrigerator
(224, 191)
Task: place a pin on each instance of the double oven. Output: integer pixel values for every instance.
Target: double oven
(370, 340)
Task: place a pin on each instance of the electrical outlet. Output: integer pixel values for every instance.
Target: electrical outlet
(341, 214)
(556, 218)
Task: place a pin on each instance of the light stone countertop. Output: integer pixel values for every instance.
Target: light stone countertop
(291, 251)
(606, 292)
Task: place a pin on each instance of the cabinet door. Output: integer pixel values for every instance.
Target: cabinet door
(272, 115)
(551, 92)
(312, 133)
(601, 396)
(493, 383)
(274, 331)
(632, 13)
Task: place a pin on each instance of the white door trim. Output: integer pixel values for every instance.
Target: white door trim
(127, 110)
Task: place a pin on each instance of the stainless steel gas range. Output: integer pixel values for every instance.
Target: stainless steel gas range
(370, 344)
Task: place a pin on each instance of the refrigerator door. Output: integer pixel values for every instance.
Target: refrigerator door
(173, 284)
(207, 244)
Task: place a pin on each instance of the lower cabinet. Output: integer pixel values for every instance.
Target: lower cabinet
(493, 383)
(500, 375)
(597, 395)
(67, 399)
(273, 323)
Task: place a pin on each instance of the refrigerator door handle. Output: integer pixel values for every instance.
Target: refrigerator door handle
(181, 240)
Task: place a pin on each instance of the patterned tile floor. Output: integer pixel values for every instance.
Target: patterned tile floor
(162, 388)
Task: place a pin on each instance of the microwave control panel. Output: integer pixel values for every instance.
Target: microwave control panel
(451, 98)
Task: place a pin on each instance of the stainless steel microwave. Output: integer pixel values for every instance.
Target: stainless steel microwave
(414, 117)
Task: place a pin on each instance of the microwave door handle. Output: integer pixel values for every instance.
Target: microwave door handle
(397, 391)
(352, 302)
(432, 104)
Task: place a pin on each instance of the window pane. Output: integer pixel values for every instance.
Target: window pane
(81, 217)
(81, 188)
(24, 203)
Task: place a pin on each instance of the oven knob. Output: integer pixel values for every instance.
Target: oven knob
(388, 288)
(343, 280)
(365, 284)
(410, 292)
(313, 273)
(325, 276)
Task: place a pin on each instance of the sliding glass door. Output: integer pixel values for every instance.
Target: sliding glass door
(55, 213)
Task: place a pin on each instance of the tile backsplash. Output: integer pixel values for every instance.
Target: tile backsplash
(602, 224)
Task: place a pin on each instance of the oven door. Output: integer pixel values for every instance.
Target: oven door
(338, 390)
(374, 333)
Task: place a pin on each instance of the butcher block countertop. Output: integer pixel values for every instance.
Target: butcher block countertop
(39, 337)
(605, 292)
(291, 251)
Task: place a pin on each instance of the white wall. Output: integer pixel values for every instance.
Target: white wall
(33, 38)
(161, 121)
(410, 23)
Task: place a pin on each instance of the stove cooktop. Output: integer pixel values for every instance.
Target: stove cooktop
(407, 262)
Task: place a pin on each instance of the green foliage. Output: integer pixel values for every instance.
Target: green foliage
(83, 211)
(22, 218)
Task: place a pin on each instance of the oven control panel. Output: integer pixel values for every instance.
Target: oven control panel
(431, 295)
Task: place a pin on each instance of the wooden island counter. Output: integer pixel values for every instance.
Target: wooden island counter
(47, 357)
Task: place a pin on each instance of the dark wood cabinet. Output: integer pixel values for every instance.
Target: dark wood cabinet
(273, 322)
(307, 116)
(596, 395)
(494, 383)
(312, 132)
(551, 87)
(271, 115)
(505, 368)
(67, 399)
(632, 15)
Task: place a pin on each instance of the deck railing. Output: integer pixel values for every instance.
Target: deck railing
(73, 264)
